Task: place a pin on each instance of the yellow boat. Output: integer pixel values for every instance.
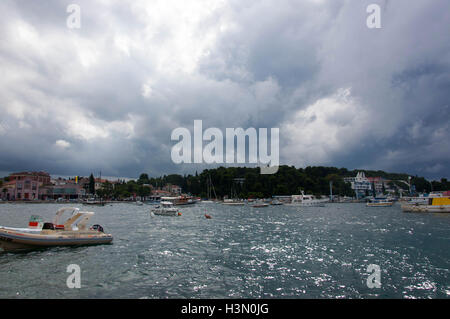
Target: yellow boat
(434, 205)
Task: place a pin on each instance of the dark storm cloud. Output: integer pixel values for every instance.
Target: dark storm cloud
(106, 97)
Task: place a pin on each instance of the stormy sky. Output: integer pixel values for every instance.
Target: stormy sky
(106, 96)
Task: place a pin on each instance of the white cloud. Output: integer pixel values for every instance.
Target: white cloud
(62, 144)
(329, 125)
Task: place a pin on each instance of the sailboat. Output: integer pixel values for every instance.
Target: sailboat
(209, 191)
(233, 200)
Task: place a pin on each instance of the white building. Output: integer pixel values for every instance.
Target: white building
(360, 184)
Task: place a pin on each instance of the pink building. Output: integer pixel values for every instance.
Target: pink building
(24, 185)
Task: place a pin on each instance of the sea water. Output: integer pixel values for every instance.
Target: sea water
(241, 252)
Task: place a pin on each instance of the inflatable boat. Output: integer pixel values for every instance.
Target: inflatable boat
(73, 232)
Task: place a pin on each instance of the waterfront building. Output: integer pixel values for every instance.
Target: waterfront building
(379, 183)
(172, 189)
(63, 189)
(360, 184)
(24, 185)
(160, 192)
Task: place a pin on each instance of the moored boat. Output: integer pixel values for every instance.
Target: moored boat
(73, 232)
(260, 204)
(233, 202)
(307, 201)
(179, 200)
(94, 202)
(166, 208)
(435, 205)
(379, 202)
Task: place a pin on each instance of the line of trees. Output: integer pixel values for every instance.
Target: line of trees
(287, 181)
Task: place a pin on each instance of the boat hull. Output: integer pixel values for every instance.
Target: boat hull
(379, 204)
(95, 204)
(12, 240)
(306, 204)
(233, 203)
(165, 212)
(426, 208)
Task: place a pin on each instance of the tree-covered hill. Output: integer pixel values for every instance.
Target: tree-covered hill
(288, 180)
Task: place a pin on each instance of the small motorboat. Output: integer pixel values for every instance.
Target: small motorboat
(379, 202)
(166, 209)
(233, 202)
(276, 202)
(208, 216)
(305, 200)
(73, 232)
(260, 204)
(94, 202)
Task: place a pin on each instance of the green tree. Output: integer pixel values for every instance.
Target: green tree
(143, 179)
(106, 190)
(91, 184)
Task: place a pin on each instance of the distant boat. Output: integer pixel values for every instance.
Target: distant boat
(94, 202)
(209, 190)
(166, 209)
(307, 201)
(276, 202)
(260, 205)
(379, 202)
(233, 202)
(435, 205)
(179, 200)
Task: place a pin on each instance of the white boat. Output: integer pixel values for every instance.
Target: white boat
(166, 208)
(209, 192)
(72, 232)
(92, 201)
(422, 199)
(307, 201)
(179, 200)
(260, 204)
(233, 202)
(379, 202)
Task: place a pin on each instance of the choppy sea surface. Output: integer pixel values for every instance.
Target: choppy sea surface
(242, 252)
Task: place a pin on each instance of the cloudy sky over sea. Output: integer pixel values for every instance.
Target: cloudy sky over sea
(106, 96)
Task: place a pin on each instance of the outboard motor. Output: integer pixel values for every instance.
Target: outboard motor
(97, 227)
(48, 226)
